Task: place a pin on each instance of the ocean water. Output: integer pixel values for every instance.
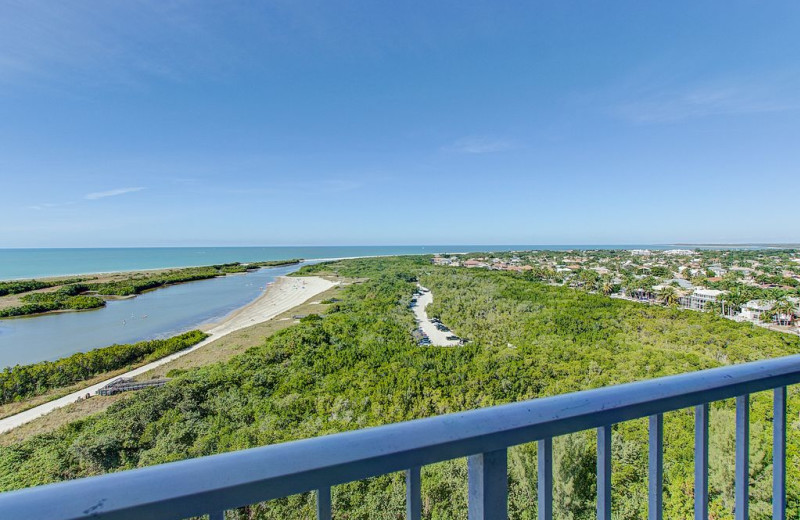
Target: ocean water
(37, 263)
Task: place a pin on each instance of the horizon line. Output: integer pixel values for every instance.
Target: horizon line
(659, 244)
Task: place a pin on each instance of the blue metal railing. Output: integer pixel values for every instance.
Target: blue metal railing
(214, 484)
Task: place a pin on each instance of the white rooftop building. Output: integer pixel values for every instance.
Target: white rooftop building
(754, 309)
(700, 298)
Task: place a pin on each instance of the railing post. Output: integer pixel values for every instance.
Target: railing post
(324, 503)
(742, 485)
(779, 454)
(488, 485)
(604, 472)
(655, 483)
(413, 494)
(545, 483)
(701, 462)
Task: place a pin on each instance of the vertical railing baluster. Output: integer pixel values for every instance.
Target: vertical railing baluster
(779, 454)
(604, 472)
(324, 503)
(488, 485)
(701, 462)
(742, 485)
(413, 494)
(655, 482)
(545, 484)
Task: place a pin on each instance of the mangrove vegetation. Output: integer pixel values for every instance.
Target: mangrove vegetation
(26, 381)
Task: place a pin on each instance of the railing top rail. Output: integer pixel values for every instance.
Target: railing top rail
(225, 481)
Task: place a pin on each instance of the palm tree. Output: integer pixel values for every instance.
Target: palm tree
(736, 298)
(607, 287)
(668, 296)
(713, 307)
(784, 310)
(631, 286)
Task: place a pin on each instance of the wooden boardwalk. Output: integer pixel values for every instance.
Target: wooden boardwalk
(122, 384)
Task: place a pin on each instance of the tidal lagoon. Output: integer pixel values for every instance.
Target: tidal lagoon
(154, 314)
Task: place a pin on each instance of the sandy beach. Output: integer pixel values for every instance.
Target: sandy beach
(280, 296)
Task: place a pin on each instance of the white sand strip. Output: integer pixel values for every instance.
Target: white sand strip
(284, 294)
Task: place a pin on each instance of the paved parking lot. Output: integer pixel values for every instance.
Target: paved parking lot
(437, 337)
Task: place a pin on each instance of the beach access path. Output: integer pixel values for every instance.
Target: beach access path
(437, 337)
(282, 295)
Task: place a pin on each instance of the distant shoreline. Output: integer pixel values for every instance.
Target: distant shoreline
(151, 270)
(45, 263)
(756, 246)
(140, 271)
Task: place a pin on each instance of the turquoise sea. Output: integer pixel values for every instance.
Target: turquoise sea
(35, 263)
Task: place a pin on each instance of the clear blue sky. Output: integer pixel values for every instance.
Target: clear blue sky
(288, 123)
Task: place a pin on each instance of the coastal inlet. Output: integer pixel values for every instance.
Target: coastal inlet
(154, 314)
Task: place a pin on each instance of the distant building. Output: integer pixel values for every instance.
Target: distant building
(718, 270)
(700, 298)
(682, 283)
(754, 309)
(518, 268)
(642, 295)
